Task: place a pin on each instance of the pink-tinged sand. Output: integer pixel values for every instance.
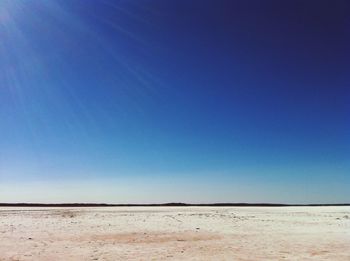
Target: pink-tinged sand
(175, 233)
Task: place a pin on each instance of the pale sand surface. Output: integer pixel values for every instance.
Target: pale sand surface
(175, 233)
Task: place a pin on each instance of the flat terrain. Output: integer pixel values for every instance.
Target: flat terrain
(175, 233)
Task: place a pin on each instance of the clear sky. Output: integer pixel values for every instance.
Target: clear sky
(165, 101)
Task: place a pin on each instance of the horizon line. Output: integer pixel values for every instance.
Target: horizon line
(170, 204)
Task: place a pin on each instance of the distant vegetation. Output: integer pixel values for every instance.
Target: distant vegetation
(163, 205)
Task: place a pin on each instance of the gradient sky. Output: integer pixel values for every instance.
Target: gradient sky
(165, 101)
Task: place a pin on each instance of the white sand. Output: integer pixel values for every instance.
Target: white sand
(175, 233)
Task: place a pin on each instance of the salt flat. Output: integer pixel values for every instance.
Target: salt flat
(175, 233)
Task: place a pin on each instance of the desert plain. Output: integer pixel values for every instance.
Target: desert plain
(175, 233)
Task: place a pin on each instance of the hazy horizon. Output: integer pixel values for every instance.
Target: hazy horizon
(156, 101)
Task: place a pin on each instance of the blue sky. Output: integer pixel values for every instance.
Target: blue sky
(155, 101)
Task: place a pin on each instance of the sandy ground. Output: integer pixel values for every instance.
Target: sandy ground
(175, 233)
